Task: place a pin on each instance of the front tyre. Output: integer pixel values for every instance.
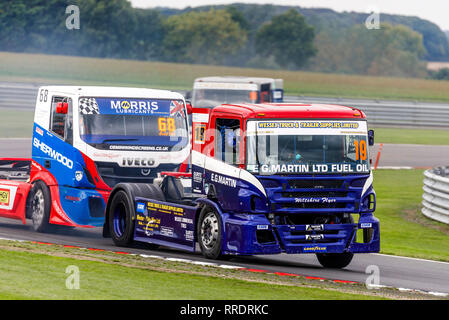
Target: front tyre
(121, 222)
(209, 233)
(335, 260)
(40, 205)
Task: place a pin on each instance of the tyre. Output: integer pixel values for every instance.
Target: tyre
(121, 219)
(40, 206)
(335, 260)
(121, 211)
(209, 233)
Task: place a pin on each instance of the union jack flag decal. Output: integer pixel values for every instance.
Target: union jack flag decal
(177, 107)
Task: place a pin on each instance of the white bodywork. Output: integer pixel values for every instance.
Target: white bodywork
(43, 110)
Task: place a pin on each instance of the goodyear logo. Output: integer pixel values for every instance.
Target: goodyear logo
(4, 197)
(315, 249)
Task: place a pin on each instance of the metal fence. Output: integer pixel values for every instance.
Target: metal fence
(18, 95)
(393, 113)
(436, 194)
(379, 112)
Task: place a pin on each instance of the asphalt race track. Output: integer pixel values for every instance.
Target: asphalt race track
(398, 272)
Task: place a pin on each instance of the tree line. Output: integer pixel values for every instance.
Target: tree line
(234, 35)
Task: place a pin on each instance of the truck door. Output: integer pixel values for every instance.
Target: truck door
(53, 148)
(223, 171)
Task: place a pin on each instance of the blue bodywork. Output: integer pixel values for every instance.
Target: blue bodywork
(297, 214)
(79, 200)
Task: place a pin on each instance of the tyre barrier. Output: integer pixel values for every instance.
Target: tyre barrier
(436, 194)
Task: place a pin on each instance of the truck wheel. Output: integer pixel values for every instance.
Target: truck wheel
(209, 233)
(335, 260)
(121, 222)
(40, 204)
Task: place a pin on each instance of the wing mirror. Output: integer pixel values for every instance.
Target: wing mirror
(62, 107)
(189, 107)
(371, 137)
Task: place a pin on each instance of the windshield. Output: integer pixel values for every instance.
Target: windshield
(209, 98)
(307, 147)
(133, 124)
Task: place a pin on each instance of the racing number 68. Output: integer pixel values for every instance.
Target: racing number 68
(166, 126)
(360, 150)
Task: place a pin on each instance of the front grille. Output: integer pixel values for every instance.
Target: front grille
(318, 194)
(314, 205)
(315, 184)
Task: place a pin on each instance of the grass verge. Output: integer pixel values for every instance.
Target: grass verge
(76, 70)
(35, 271)
(412, 136)
(404, 230)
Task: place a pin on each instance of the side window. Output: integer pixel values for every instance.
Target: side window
(227, 145)
(61, 121)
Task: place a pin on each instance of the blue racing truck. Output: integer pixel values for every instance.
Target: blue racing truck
(265, 179)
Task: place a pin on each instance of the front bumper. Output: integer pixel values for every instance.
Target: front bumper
(253, 234)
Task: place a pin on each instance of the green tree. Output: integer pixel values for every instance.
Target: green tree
(442, 74)
(389, 51)
(205, 37)
(238, 17)
(288, 38)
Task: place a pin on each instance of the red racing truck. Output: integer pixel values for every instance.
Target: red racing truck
(265, 179)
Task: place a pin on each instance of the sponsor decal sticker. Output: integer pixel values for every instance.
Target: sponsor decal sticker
(315, 200)
(53, 153)
(314, 237)
(4, 197)
(223, 180)
(315, 168)
(309, 124)
(314, 227)
(141, 207)
(314, 249)
(365, 225)
(138, 162)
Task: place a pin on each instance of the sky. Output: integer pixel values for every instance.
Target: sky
(436, 11)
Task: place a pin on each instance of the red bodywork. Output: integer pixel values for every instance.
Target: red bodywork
(204, 119)
(37, 172)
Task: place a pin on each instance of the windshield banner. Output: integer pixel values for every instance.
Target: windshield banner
(311, 127)
(127, 106)
(312, 168)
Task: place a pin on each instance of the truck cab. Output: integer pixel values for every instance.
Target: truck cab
(209, 92)
(266, 179)
(86, 140)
